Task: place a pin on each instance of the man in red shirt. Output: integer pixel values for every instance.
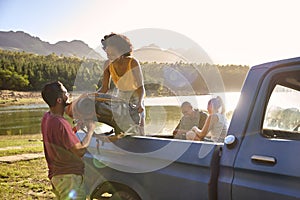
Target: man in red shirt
(63, 150)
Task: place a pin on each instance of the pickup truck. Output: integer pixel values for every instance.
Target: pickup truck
(258, 159)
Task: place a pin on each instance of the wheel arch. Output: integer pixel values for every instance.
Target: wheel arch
(113, 187)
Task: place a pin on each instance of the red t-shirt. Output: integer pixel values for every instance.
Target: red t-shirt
(58, 139)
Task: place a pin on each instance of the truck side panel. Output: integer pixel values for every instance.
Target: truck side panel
(156, 168)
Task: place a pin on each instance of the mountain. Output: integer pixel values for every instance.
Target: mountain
(21, 41)
(153, 53)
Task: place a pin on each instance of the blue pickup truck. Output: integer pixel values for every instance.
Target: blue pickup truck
(258, 159)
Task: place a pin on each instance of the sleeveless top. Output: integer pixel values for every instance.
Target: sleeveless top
(218, 130)
(126, 82)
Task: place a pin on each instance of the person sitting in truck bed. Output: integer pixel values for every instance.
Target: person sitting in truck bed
(191, 117)
(215, 125)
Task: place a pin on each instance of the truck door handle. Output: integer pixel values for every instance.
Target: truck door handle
(263, 159)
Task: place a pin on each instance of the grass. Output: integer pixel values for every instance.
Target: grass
(22, 144)
(24, 179)
(22, 150)
(15, 140)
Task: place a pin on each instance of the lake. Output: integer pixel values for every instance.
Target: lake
(163, 114)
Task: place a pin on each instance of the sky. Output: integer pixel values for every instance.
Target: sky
(245, 32)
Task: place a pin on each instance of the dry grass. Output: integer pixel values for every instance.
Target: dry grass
(24, 179)
(19, 144)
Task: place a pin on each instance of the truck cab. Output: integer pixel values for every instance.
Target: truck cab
(263, 163)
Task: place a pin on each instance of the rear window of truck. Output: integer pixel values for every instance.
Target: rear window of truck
(282, 117)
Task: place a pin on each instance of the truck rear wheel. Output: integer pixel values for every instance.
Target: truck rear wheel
(114, 191)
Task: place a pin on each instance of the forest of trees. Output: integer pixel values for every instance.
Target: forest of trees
(30, 72)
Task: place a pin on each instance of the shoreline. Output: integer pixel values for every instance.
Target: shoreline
(13, 98)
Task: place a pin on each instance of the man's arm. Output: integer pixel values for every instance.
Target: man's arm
(177, 130)
(80, 148)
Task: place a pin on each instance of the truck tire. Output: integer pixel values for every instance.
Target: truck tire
(114, 191)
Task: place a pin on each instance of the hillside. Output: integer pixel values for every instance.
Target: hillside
(154, 53)
(158, 55)
(20, 41)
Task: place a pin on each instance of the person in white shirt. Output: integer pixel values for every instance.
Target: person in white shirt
(215, 127)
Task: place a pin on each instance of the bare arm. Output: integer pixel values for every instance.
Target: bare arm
(80, 148)
(105, 80)
(141, 92)
(177, 130)
(137, 73)
(209, 122)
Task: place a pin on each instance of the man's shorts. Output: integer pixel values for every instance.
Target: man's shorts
(68, 186)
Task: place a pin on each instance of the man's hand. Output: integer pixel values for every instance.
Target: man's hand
(90, 125)
(80, 148)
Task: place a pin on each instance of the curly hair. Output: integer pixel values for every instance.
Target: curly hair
(121, 42)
